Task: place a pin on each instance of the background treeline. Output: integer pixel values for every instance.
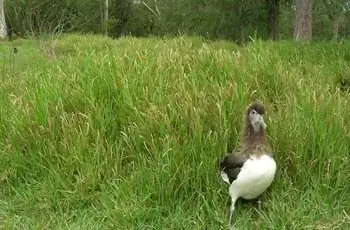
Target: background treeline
(225, 19)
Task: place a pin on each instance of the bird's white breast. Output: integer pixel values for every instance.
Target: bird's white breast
(255, 177)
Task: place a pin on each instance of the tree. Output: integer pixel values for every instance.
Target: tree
(335, 11)
(3, 27)
(120, 11)
(303, 20)
(272, 17)
(106, 17)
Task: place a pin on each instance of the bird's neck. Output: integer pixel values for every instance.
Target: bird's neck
(253, 140)
(251, 135)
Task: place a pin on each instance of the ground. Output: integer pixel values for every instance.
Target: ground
(98, 133)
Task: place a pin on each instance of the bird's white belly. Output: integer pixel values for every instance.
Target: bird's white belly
(255, 177)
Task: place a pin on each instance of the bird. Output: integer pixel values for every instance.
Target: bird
(251, 169)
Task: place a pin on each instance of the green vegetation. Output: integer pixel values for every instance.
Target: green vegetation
(235, 20)
(98, 133)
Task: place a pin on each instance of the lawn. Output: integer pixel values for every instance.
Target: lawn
(98, 133)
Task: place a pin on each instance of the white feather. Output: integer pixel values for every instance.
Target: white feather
(256, 175)
(225, 177)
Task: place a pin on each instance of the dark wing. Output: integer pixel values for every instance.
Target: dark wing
(231, 165)
(233, 173)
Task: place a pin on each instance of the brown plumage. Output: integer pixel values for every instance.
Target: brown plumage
(251, 143)
(254, 142)
(251, 170)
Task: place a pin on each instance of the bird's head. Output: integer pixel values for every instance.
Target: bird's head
(254, 117)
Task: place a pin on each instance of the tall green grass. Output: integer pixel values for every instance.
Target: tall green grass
(126, 134)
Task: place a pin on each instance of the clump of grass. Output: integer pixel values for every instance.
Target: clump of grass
(126, 133)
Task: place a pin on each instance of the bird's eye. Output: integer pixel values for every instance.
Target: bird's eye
(253, 112)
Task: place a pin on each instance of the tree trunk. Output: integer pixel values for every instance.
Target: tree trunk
(3, 27)
(303, 20)
(335, 29)
(272, 17)
(337, 20)
(336, 13)
(242, 35)
(106, 17)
